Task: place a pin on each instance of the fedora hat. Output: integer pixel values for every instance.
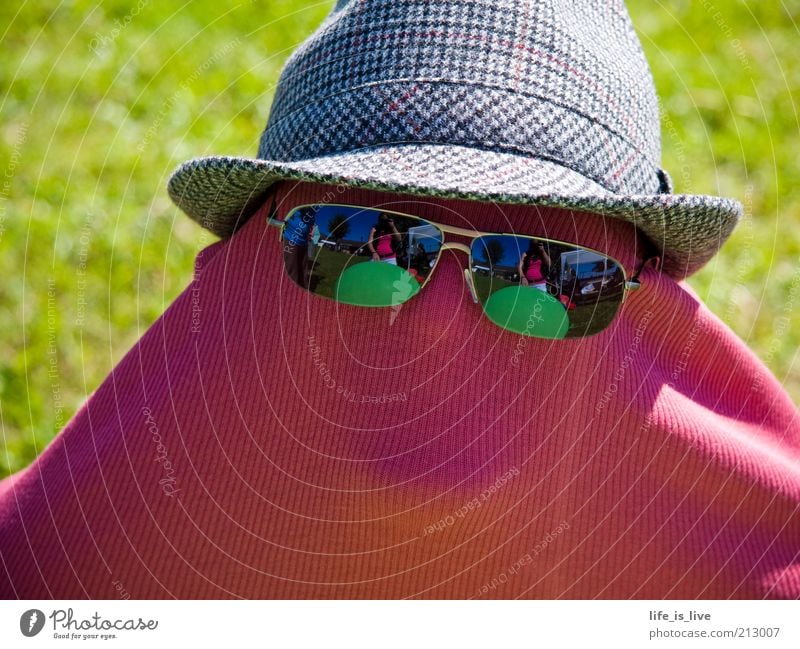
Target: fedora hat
(539, 102)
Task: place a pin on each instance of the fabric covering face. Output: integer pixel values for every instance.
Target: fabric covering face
(262, 442)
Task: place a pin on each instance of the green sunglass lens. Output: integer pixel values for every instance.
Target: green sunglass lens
(545, 289)
(527, 311)
(359, 256)
(375, 284)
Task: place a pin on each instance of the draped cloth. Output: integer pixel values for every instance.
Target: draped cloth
(261, 442)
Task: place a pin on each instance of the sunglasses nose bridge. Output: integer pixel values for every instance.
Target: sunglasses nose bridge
(453, 245)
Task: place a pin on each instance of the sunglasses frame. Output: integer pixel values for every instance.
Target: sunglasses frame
(631, 284)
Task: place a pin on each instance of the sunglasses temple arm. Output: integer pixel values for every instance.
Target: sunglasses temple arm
(271, 220)
(634, 283)
(273, 210)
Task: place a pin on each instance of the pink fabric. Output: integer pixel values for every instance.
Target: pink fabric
(261, 442)
(384, 247)
(534, 272)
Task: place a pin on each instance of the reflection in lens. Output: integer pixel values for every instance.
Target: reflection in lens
(359, 256)
(545, 289)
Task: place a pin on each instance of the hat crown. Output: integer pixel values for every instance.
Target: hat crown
(564, 81)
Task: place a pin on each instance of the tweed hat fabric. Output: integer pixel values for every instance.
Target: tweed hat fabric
(541, 102)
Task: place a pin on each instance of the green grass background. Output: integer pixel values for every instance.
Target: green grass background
(100, 101)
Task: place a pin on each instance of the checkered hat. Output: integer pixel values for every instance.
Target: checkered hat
(540, 102)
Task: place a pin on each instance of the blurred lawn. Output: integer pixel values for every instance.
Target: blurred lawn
(99, 102)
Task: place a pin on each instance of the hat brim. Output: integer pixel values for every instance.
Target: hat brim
(221, 192)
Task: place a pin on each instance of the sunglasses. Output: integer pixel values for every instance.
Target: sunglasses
(533, 286)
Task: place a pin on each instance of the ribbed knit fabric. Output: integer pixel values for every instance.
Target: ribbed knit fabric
(261, 442)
